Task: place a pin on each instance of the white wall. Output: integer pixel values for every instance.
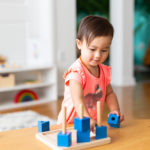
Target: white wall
(41, 32)
(13, 30)
(121, 58)
(66, 33)
(27, 31)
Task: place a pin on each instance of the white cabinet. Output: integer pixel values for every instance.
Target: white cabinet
(27, 37)
(46, 89)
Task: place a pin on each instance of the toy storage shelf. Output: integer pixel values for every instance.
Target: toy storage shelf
(9, 105)
(23, 87)
(26, 68)
(46, 90)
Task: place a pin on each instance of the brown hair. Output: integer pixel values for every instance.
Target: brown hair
(94, 26)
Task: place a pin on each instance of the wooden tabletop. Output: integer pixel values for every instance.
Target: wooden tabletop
(133, 135)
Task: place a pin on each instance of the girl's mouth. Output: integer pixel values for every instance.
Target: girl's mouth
(96, 61)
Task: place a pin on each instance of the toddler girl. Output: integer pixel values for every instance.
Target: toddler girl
(88, 80)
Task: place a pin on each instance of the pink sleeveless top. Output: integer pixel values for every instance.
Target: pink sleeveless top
(94, 89)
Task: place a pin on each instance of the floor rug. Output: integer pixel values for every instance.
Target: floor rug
(23, 119)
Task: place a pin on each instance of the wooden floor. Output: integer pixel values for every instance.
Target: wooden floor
(134, 103)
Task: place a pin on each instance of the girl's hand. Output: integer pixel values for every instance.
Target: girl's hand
(118, 114)
(92, 125)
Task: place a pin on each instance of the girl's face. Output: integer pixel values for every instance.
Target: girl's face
(96, 52)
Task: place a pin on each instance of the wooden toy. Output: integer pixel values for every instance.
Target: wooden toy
(5, 65)
(2, 60)
(114, 121)
(25, 96)
(34, 81)
(7, 80)
(83, 136)
(101, 131)
(82, 125)
(63, 137)
(43, 126)
(50, 138)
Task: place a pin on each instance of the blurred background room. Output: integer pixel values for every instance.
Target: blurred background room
(37, 45)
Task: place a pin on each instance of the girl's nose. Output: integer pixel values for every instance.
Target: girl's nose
(98, 54)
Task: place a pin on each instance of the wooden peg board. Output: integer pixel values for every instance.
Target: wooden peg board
(50, 139)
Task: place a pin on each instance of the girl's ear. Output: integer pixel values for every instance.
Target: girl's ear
(79, 43)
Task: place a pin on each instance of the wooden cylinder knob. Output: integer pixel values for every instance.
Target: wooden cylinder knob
(64, 121)
(99, 113)
(81, 111)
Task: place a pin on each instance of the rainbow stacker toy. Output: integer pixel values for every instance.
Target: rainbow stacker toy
(78, 137)
(25, 96)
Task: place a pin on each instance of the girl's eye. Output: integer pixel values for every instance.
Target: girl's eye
(104, 51)
(92, 49)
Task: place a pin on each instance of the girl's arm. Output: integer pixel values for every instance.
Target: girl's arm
(77, 98)
(112, 102)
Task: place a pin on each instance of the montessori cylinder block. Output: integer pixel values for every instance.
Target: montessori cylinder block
(82, 124)
(64, 139)
(101, 132)
(43, 126)
(83, 136)
(114, 121)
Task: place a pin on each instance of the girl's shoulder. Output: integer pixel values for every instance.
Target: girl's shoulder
(105, 68)
(107, 72)
(76, 67)
(75, 72)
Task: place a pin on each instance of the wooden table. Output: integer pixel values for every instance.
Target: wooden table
(133, 135)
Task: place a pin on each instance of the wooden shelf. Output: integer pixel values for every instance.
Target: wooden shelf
(9, 104)
(26, 68)
(25, 86)
(47, 89)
